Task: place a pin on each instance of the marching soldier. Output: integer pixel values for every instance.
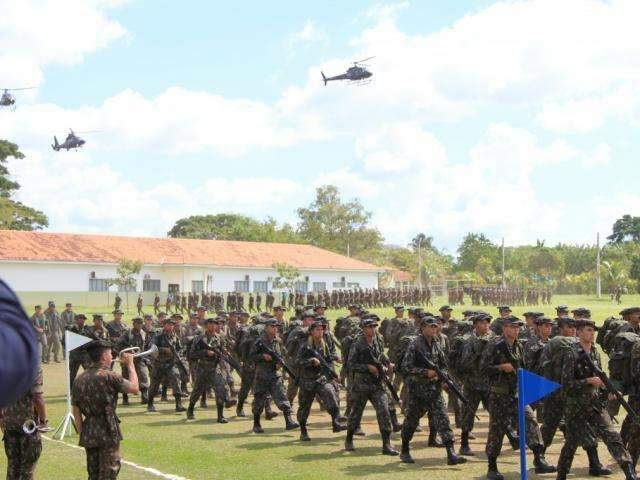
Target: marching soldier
(366, 358)
(98, 332)
(136, 337)
(188, 334)
(315, 364)
(23, 449)
(78, 357)
(164, 367)
(117, 302)
(500, 362)
(268, 376)
(425, 390)
(139, 305)
(583, 406)
(41, 326)
(94, 408)
(205, 350)
(156, 304)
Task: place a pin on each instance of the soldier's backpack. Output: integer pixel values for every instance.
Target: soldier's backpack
(404, 345)
(620, 358)
(248, 340)
(454, 357)
(471, 353)
(608, 333)
(553, 356)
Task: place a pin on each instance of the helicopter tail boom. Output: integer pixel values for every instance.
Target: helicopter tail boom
(56, 145)
(324, 78)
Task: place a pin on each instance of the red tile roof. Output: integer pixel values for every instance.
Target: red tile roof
(401, 276)
(69, 247)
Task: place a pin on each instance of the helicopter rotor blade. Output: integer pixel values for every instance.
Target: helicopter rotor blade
(16, 89)
(364, 60)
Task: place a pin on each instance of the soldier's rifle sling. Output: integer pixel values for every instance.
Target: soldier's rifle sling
(278, 358)
(323, 364)
(610, 387)
(444, 377)
(382, 375)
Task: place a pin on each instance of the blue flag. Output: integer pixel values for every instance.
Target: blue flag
(531, 388)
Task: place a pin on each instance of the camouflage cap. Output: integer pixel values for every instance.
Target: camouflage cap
(80, 315)
(543, 320)
(147, 315)
(270, 321)
(469, 313)
(309, 314)
(480, 317)
(504, 308)
(117, 311)
(566, 321)
(428, 320)
(512, 320)
(99, 344)
(368, 322)
(629, 311)
(582, 311)
(586, 323)
(137, 320)
(278, 307)
(445, 307)
(97, 316)
(562, 308)
(398, 307)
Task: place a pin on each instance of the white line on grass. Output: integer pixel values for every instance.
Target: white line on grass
(150, 470)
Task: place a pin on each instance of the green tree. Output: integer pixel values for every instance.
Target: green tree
(625, 228)
(126, 271)
(475, 246)
(231, 226)
(287, 277)
(545, 261)
(15, 215)
(339, 226)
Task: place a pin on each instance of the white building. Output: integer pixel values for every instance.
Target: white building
(77, 267)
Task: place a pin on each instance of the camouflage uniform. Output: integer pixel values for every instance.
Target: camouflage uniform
(56, 328)
(78, 357)
(365, 386)
(475, 383)
(268, 378)
(208, 372)
(315, 382)
(164, 368)
(94, 393)
(634, 402)
(188, 334)
(22, 450)
(584, 409)
(503, 403)
(425, 395)
(131, 338)
(40, 321)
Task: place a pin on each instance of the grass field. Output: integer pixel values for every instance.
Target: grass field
(203, 449)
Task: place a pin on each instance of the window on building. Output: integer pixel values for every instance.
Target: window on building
(98, 285)
(197, 286)
(241, 286)
(353, 285)
(339, 284)
(259, 286)
(149, 285)
(127, 288)
(319, 286)
(301, 287)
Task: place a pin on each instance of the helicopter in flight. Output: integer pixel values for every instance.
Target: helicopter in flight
(358, 73)
(72, 141)
(8, 100)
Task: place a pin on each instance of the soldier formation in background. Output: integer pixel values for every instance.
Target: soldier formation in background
(409, 365)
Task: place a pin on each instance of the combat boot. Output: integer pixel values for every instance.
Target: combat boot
(359, 432)
(240, 410)
(304, 435)
(257, 428)
(405, 453)
(394, 421)
(562, 474)
(493, 473)
(150, 406)
(125, 400)
(539, 461)
(268, 413)
(433, 440)
(452, 458)
(190, 415)
(289, 423)
(221, 418)
(514, 440)
(629, 471)
(230, 403)
(464, 445)
(348, 441)
(596, 469)
(144, 396)
(179, 407)
(203, 400)
(387, 449)
(337, 426)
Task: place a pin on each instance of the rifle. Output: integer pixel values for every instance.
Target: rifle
(382, 375)
(610, 387)
(326, 368)
(224, 355)
(277, 357)
(444, 376)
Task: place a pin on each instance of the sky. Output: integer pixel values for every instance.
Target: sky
(517, 119)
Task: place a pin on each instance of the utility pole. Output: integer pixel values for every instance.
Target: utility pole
(598, 284)
(419, 264)
(503, 262)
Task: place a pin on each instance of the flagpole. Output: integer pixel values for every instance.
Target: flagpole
(522, 435)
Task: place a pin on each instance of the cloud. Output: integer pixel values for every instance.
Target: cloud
(34, 34)
(81, 195)
(309, 33)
